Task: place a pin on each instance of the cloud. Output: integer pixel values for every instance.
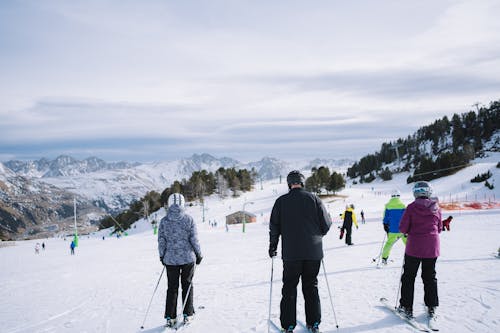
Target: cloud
(393, 83)
(160, 78)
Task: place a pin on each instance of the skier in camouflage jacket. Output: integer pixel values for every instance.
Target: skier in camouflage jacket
(179, 250)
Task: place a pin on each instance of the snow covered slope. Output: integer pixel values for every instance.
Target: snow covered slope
(107, 285)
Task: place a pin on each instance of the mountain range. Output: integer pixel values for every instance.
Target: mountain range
(36, 196)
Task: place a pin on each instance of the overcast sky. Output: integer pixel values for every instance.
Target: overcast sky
(158, 80)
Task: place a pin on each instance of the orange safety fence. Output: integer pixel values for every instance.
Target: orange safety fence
(469, 205)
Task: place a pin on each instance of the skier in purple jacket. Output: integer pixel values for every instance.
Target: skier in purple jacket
(422, 223)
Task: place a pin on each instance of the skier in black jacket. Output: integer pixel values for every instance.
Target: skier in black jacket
(300, 218)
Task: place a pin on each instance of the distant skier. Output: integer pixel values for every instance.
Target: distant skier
(179, 250)
(72, 247)
(446, 223)
(422, 223)
(349, 218)
(301, 219)
(37, 248)
(43, 246)
(362, 217)
(393, 212)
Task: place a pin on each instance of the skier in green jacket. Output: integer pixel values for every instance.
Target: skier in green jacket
(393, 212)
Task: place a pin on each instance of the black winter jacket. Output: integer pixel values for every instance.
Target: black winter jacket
(301, 219)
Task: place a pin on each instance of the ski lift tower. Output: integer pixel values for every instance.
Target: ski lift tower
(396, 146)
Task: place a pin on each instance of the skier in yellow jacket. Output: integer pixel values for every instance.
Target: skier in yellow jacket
(349, 218)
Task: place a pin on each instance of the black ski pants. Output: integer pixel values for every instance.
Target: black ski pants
(293, 270)
(348, 233)
(185, 272)
(410, 269)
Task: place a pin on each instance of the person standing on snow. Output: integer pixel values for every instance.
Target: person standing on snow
(349, 218)
(72, 247)
(446, 223)
(179, 250)
(301, 219)
(393, 212)
(422, 223)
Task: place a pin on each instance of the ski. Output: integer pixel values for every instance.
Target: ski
(275, 326)
(432, 323)
(380, 264)
(412, 322)
(301, 323)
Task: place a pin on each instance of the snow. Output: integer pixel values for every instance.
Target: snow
(107, 285)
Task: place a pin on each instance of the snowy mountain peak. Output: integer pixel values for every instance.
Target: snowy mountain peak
(62, 166)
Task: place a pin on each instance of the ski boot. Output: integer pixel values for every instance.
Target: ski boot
(384, 261)
(433, 323)
(288, 330)
(313, 328)
(170, 322)
(406, 312)
(187, 319)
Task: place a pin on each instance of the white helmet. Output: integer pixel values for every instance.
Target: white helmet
(395, 194)
(176, 199)
(422, 189)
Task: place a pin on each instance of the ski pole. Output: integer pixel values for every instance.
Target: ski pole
(154, 292)
(399, 285)
(380, 252)
(330, 294)
(184, 301)
(270, 295)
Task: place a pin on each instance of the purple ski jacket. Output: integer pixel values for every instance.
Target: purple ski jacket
(421, 221)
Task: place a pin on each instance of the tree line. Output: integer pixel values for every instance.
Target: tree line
(433, 151)
(202, 183)
(322, 180)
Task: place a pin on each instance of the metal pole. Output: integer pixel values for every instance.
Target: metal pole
(399, 285)
(380, 252)
(203, 208)
(244, 217)
(154, 292)
(330, 294)
(184, 302)
(75, 238)
(270, 296)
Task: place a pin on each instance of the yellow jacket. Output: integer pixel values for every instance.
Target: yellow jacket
(349, 213)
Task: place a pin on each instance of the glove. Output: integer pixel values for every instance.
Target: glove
(386, 227)
(341, 233)
(272, 250)
(198, 259)
(161, 260)
(357, 227)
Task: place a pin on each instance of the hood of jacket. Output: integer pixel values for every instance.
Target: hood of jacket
(175, 212)
(395, 203)
(426, 207)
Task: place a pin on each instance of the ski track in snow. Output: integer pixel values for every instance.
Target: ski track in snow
(107, 285)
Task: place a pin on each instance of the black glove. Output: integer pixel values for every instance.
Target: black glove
(273, 250)
(198, 259)
(386, 227)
